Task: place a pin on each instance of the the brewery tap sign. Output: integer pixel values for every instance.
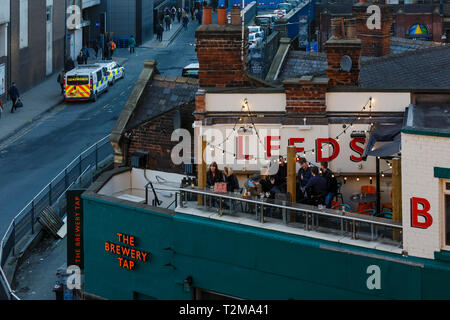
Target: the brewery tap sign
(125, 249)
(75, 254)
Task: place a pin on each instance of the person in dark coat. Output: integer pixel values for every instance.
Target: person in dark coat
(96, 49)
(86, 54)
(199, 17)
(167, 20)
(179, 13)
(303, 176)
(80, 58)
(60, 80)
(280, 176)
(331, 183)
(14, 95)
(316, 188)
(213, 175)
(231, 179)
(70, 64)
(185, 22)
(159, 31)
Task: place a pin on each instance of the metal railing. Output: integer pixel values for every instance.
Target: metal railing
(298, 215)
(23, 223)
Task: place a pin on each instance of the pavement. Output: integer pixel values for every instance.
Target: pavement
(167, 37)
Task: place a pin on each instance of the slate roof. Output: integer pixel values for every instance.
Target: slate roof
(429, 117)
(412, 64)
(161, 95)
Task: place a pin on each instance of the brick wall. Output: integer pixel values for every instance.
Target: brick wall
(219, 55)
(375, 42)
(305, 95)
(433, 22)
(154, 137)
(420, 154)
(335, 50)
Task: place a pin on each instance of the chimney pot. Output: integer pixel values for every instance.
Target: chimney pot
(221, 16)
(236, 16)
(207, 17)
(350, 28)
(336, 29)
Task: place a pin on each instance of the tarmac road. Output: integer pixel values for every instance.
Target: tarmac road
(34, 156)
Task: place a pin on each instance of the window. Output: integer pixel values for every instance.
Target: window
(447, 214)
(3, 40)
(99, 76)
(23, 23)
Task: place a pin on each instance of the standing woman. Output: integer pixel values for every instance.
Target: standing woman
(213, 175)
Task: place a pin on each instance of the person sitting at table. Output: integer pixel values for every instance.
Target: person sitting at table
(231, 179)
(331, 183)
(303, 176)
(253, 185)
(316, 188)
(213, 175)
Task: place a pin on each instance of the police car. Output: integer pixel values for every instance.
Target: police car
(115, 71)
(86, 82)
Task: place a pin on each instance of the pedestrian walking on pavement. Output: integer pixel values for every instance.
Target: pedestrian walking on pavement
(61, 78)
(159, 31)
(96, 49)
(86, 54)
(192, 13)
(185, 22)
(80, 58)
(199, 17)
(132, 44)
(167, 20)
(173, 12)
(179, 13)
(14, 95)
(70, 64)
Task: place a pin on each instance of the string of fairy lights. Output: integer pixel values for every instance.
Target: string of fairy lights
(250, 116)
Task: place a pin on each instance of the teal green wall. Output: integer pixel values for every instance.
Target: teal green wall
(240, 261)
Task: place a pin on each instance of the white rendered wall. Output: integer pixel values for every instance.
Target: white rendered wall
(420, 154)
(354, 101)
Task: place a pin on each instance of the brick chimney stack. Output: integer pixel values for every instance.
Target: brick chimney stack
(376, 42)
(219, 53)
(343, 52)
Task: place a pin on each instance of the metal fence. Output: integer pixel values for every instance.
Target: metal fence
(347, 224)
(23, 223)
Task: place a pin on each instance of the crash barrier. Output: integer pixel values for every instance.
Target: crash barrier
(23, 224)
(262, 56)
(296, 22)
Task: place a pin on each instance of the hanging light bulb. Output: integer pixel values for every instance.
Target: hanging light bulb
(370, 180)
(382, 174)
(357, 179)
(345, 180)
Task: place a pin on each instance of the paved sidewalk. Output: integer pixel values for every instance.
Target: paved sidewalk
(42, 98)
(167, 37)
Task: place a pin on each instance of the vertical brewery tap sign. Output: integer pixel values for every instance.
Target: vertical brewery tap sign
(75, 253)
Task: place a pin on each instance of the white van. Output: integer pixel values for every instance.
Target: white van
(86, 82)
(115, 71)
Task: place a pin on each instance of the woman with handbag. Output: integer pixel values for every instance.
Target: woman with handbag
(213, 175)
